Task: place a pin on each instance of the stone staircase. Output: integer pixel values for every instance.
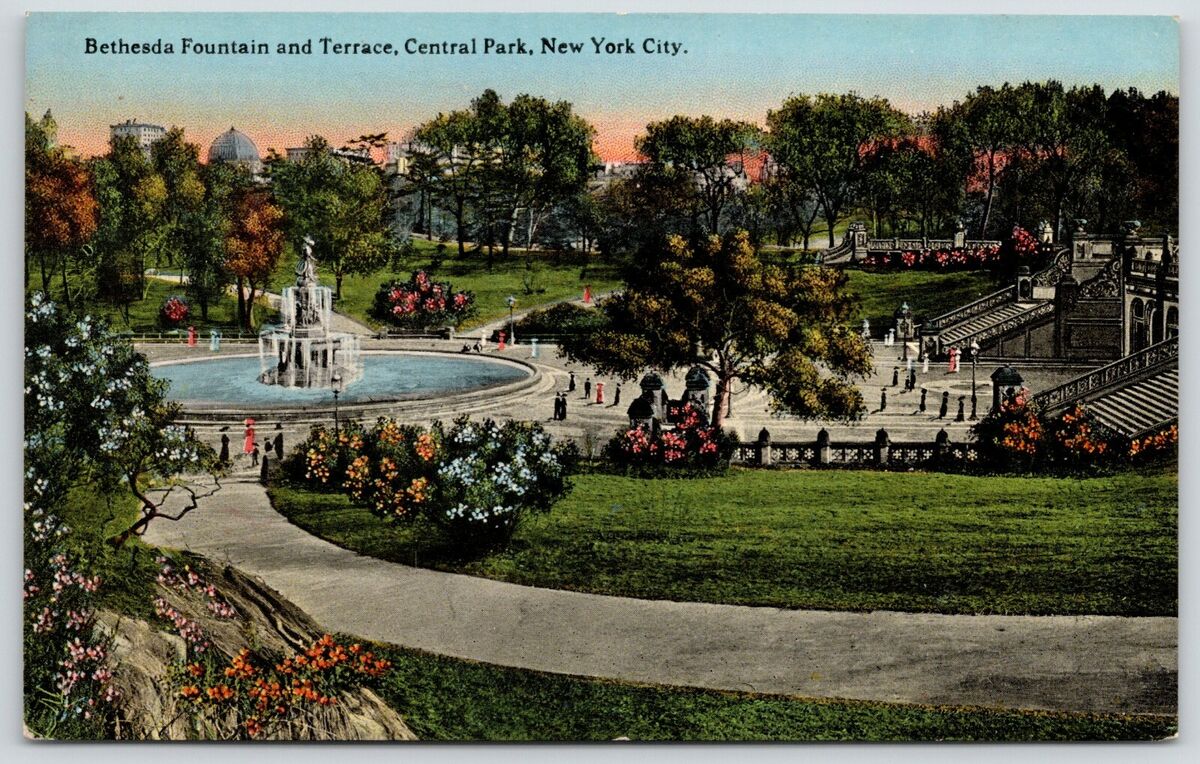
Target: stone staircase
(1142, 407)
(961, 334)
(1135, 395)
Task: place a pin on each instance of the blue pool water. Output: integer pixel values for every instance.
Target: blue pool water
(386, 377)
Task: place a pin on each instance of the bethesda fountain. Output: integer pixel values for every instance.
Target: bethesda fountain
(302, 351)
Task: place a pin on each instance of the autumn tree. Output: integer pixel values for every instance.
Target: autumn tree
(60, 204)
(718, 304)
(340, 204)
(254, 244)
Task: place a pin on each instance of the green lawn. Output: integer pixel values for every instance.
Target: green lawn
(926, 292)
(554, 278)
(451, 699)
(824, 539)
(143, 314)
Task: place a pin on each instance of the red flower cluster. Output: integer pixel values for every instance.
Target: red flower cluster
(690, 444)
(174, 310)
(421, 302)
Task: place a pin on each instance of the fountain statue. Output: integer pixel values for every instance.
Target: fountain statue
(302, 351)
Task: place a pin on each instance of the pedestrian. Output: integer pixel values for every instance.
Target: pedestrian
(587, 388)
(895, 376)
(923, 392)
(262, 473)
(557, 406)
(945, 407)
(563, 408)
(278, 440)
(478, 348)
(224, 448)
(254, 456)
(571, 383)
(883, 400)
(465, 348)
(925, 365)
(953, 360)
(266, 445)
(600, 393)
(912, 379)
(249, 444)
(961, 417)
(617, 394)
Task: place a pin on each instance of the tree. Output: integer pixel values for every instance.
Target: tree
(826, 138)
(60, 204)
(341, 204)
(545, 157)
(717, 304)
(991, 121)
(131, 229)
(698, 151)
(445, 163)
(254, 245)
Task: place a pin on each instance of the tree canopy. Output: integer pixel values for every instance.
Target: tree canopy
(719, 305)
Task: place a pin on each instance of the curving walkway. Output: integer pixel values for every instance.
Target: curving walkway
(1075, 663)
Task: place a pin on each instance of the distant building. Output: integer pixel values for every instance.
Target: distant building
(145, 134)
(235, 147)
(350, 156)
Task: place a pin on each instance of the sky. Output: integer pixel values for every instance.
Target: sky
(736, 66)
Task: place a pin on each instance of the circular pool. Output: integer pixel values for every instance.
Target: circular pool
(232, 381)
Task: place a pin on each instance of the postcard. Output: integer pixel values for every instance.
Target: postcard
(588, 377)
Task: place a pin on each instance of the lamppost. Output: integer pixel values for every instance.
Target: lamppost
(512, 335)
(336, 383)
(974, 363)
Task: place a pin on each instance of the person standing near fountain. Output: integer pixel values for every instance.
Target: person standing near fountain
(278, 440)
(224, 458)
(587, 388)
(250, 446)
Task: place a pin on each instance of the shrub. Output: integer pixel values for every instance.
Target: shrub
(475, 480)
(690, 449)
(1019, 436)
(174, 311)
(421, 303)
(563, 318)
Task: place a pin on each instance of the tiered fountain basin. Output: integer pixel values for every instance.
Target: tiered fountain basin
(220, 387)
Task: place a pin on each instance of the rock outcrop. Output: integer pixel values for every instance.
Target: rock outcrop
(145, 656)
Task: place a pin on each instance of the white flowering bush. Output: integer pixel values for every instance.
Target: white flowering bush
(93, 415)
(490, 475)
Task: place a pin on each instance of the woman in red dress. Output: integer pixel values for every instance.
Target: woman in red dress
(248, 447)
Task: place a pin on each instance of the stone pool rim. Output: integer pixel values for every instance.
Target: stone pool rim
(321, 410)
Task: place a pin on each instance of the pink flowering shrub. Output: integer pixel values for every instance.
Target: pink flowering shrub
(691, 448)
(958, 259)
(421, 303)
(174, 311)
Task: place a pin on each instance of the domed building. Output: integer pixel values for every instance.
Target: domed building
(236, 148)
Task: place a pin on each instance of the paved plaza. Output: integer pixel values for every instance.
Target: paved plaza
(591, 422)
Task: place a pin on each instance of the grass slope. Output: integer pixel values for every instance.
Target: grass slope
(830, 540)
(927, 293)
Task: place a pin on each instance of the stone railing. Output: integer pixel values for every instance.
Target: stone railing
(970, 310)
(1150, 268)
(881, 453)
(1059, 266)
(1126, 370)
(897, 244)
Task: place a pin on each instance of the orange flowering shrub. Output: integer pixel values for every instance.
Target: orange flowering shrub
(1159, 442)
(265, 693)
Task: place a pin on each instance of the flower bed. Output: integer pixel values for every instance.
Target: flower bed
(691, 448)
(421, 303)
(1018, 435)
(475, 480)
